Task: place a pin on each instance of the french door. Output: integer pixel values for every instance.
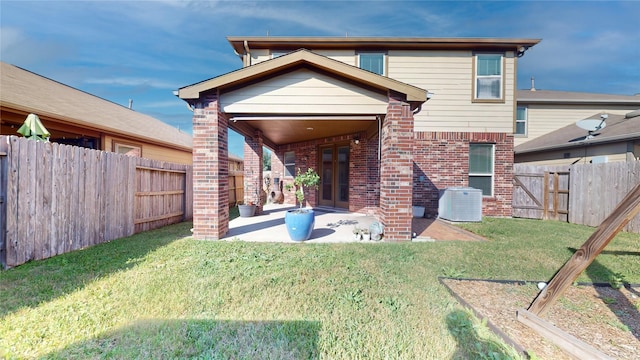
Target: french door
(334, 176)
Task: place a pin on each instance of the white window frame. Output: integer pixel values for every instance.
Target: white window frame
(384, 61)
(127, 149)
(477, 77)
(289, 164)
(525, 121)
(491, 174)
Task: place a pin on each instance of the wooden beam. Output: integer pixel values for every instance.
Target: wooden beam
(626, 210)
(571, 345)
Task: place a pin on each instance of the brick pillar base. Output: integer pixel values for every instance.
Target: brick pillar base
(396, 170)
(210, 170)
(253, 171)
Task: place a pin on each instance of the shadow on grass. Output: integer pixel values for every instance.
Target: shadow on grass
(210, 339)
(471, 345)
(35, 282)
(624, 310)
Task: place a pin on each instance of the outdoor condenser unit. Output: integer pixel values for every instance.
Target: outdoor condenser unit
(460, 204)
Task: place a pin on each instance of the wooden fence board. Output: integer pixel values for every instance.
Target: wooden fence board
(45, 190)
(11, 239)
(3, 200)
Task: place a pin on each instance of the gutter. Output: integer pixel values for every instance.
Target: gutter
(629, 102)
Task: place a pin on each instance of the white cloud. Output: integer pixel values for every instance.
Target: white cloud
(132, 81)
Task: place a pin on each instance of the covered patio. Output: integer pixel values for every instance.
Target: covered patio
(354, 127)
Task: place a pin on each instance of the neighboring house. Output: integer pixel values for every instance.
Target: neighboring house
(77, 118)
(542, 111)
(618, 140)
(356, 110)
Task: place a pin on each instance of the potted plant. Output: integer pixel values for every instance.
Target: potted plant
(365, 234)
(246, 208)
(300, 221)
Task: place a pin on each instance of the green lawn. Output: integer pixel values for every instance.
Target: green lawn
(161, 294)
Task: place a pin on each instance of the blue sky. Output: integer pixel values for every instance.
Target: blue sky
(144, 50)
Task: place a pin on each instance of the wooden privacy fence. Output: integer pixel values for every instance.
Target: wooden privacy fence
(59, 198)
(581, 194)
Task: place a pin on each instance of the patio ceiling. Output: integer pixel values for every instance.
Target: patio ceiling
(280, 130)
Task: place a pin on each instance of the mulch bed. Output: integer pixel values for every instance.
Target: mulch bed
(606, 318)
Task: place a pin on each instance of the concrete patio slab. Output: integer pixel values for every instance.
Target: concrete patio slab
(331, 226)
(334, 226)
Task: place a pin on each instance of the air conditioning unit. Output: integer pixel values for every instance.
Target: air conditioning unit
(460, 204)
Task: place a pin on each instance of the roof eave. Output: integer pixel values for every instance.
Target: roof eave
(610, 139)
(579, 101)
(269, 42)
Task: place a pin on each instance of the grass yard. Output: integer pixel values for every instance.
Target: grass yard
(161, 294)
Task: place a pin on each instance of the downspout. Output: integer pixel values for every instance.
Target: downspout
(247, 54)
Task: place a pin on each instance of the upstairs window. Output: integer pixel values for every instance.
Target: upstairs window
(481, 167)
(521, 121)
(373, 62)
(488, 82)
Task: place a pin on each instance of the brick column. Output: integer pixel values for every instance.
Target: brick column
(210, 170)
(396, 170)
(253, 170)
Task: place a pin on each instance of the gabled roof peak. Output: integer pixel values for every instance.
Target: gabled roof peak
(293, 60)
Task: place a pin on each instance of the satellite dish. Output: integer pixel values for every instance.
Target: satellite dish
(592, 124)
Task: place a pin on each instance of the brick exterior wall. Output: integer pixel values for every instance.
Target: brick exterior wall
(373, 177)
(253, 171)
(396, 170)
(441, 160)
(210, 170)
(363, 170)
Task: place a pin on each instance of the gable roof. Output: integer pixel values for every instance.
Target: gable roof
(568, 97)
(33, 93)
(618, 128)
(240, 43)
(297, 59)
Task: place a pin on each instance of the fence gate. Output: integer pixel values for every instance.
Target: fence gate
(541, 195)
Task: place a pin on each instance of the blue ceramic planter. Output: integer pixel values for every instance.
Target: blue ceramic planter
(299, 223)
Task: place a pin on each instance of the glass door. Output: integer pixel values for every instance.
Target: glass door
(334, 181)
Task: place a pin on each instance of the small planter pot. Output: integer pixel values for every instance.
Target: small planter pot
(357, 237)
(247, 210)
(366, 236)
(299, 223)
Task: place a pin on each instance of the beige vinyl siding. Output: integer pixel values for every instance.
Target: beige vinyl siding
(303, 92)
(582, 155)
(449, 76)
(544, 118)
(260, 56)
(151, 151)
(346, 56)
